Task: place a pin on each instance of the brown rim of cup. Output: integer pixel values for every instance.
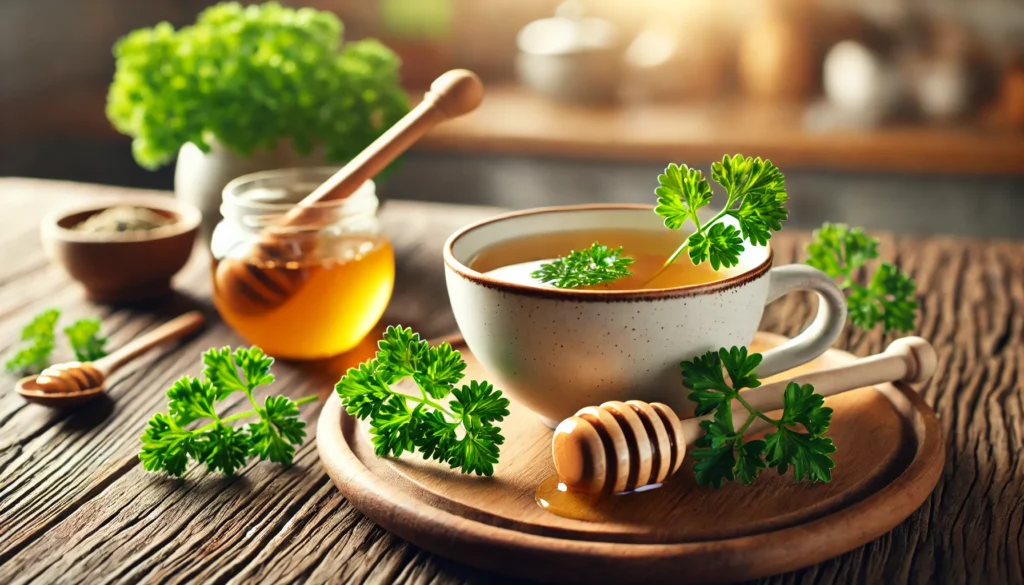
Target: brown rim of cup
(689, 290)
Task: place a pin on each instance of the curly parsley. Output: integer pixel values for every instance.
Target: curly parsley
(167, 445)
(37, 344)
(460, 432)
(596, 265)
(250, 77)
(888, 298)
(39, 341)
(85, 339)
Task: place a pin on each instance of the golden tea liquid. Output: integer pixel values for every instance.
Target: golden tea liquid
(515, 260)
(341, 294)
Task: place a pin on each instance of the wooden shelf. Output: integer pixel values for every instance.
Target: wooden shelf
(515, 121)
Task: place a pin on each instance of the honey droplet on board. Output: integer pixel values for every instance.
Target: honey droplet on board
(555, 497)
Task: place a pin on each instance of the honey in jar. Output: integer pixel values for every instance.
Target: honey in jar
(327, 280)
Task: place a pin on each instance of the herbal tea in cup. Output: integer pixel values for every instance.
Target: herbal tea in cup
(558, 349)
(516, 259)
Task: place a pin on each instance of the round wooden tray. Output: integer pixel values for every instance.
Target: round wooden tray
(889, 457)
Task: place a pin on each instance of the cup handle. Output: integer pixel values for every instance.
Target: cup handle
(820, 334)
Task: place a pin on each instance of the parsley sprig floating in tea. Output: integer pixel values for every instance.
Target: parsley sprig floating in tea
(596, 265)
(755, 201)
(39, 340)
(454, 425)
(888, 298)
(723, 455)
(167, 445)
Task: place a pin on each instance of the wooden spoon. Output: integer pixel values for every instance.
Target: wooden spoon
(251, 289)
(70, 384)
(622, 446)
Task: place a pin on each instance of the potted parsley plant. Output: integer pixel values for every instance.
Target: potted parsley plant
(250, 88)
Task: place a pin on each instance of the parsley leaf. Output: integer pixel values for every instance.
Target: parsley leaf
(721, 244)
(593, 266)
(750, 461)
(85, 340)
(38, 343)
(720, 455)
(741, 366)
(715, 455)
(400, 353)
(274, 437)
(755, 205)
(442, 369)
(839, 250)
(220, 370)
(191, 399)
(681, 192)
(889, 297)
(756, 200)
(462, 433)
(167, 445)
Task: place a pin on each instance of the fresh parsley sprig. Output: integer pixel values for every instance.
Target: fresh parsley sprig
(723, 455)
(460, 432)
(756, 199)
(85, 339)
(39, 340)
(888, 298)
(596, 265)
(168, 445)
(37, 344)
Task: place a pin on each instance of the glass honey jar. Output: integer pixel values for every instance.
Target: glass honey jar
(300, 289)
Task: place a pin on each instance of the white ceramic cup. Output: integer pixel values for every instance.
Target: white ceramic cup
(558, 350)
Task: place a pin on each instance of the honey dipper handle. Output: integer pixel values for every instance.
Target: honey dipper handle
(453, 94)
(173, 329)
(908, 359)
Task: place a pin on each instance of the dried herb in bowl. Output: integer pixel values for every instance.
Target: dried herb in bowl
(123, 218)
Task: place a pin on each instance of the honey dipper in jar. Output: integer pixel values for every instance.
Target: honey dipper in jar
(628, 446)
(269, 275)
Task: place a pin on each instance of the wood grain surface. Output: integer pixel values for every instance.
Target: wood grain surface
(76, 506)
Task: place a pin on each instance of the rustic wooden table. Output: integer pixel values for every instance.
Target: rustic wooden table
(77, 507)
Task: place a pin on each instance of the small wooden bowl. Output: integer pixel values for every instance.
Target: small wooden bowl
(123, 266)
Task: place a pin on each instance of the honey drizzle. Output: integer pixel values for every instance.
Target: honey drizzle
(554, 497)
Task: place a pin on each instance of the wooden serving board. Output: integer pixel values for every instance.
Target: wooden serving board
(889, 456)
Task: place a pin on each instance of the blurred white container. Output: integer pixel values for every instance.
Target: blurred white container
(570, 56)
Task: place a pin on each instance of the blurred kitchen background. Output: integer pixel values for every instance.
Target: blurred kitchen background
(891, 114)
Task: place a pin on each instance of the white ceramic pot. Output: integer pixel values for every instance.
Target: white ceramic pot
(558, 350)
(199, 178)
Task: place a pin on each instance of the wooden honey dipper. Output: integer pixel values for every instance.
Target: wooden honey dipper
(248, 289)
(63, 385)
(621, 446)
